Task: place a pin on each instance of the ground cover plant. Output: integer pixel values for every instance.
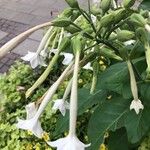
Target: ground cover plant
(92, 66)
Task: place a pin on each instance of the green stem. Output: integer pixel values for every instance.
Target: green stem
(67, 91)
(88, 19)
(95, 75)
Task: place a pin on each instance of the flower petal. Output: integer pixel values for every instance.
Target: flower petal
(88, 66)
(136, 105)
(29, 56)
(61, 105)
(34, 62)
(31, 110)
(68, 58)
(68, 143)
(32, 125)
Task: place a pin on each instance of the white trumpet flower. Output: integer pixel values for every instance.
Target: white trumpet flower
(61, 105)
(71, 142)
(35, 59)
(31, 123)
(136, 103)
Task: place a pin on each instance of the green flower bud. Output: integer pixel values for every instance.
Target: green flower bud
(120, 14)
(61, 22)
(107, 20)
(128, 3)
(95, 11)
(142, 35)
(72, 29)
(109, 53)
(64, 43)
(67, 12)
(105, 5)
(138, 20)
(72, 3)
(125, 35)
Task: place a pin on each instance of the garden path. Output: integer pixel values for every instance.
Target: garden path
(17, 16)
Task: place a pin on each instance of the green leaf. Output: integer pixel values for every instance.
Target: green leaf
(118, 139)
(106, 117)
(145, 93)
(85, 101)
(137, 125)
(116, 78)
(145, 5)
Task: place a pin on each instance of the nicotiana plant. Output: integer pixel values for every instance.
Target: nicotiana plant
(111, 40)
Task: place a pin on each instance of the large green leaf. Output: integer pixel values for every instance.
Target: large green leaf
(116, 78)
(85, 101)
(145, 4)
(118, 140)
(106, 117)
(137, 125)
(145, 93)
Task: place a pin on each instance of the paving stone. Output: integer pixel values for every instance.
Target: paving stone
(4, 69)
(2, 34)
(23, 18)
(27, 45)
(4, 60)
(37, 36)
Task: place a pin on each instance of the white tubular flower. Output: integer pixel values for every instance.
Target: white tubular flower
(35, 59)
(136, 105)
(71, 142)
(88, 66)
(61, 105)
(68, 58)
(32, 124)
(68, 143)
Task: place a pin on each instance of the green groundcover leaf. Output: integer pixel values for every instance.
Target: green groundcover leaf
(85, 101)
(145, 5)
